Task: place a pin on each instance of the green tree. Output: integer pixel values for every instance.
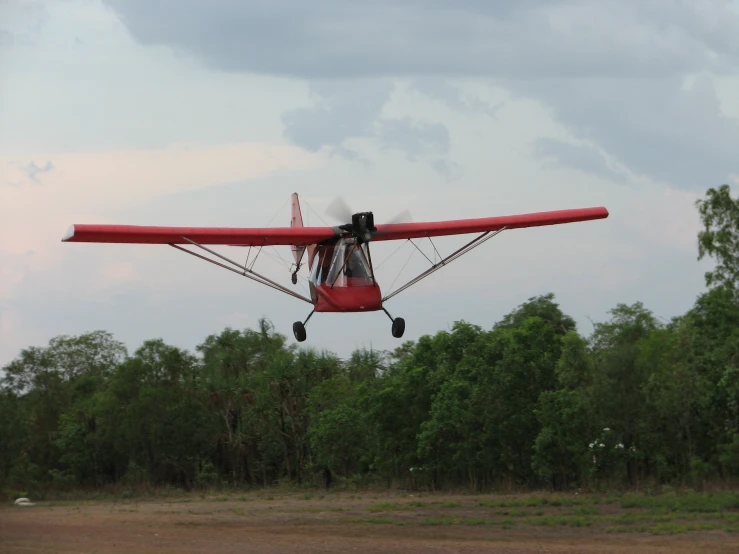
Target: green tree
(561, 454)
(619, 385)
(719, 238)
(48, 381)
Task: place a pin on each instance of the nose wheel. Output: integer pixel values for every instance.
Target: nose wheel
(398, 327)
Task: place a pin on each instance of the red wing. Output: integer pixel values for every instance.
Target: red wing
(395, 231)
(235, 236)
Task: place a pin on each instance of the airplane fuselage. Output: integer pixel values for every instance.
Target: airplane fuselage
(341, 278)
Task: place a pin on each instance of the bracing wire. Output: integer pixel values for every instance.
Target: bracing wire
(401, 270)
(402, 244)
(315, 212)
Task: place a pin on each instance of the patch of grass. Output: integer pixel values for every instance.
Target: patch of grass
(580, 521)
(675, 529)
(632, 518)
(384, 507)
(395, 506)
(617, 529)
(310, 509)
(443, 520)
(565, 501)
(686, 502)
(503, 502)
(380, 520)
(586, 511)
(560, 520)
(512, 513)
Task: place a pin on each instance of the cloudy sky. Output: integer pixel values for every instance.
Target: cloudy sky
(212, 113)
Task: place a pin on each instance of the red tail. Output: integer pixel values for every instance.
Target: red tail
(296, 220)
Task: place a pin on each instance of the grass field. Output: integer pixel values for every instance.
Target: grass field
(275, 521)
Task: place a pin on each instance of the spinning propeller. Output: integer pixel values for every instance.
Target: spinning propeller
(362, 223)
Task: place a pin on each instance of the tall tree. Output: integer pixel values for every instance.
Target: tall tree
(719, 238)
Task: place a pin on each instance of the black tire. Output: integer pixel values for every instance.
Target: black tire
(398, 327)
(299, 331)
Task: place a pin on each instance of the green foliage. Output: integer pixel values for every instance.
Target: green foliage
(527, 402)
(719, 238)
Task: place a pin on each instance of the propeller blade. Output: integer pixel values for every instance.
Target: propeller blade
(340, 210)
(403, 217)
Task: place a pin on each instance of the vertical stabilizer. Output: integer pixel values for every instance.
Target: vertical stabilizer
(296, 220)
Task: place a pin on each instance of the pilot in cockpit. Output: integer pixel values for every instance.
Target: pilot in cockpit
(354, 266)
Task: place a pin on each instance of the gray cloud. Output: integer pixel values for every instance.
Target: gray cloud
(454, 97)
(415, 138)
(447, 168)
(22, 21)
(31, 171)
(6, 38)
(345, 38)
(343, 110)
(613, 71)
(420, 140)
(654, 127)
(583, 157)
(353, 109)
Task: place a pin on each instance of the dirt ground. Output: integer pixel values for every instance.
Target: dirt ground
(335, 522)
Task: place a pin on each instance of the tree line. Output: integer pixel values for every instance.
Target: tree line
(531, 402)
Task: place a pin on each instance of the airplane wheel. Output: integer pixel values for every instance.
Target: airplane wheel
(398, 327)
(299, 331)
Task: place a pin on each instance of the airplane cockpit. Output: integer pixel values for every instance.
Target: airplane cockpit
(343, 265)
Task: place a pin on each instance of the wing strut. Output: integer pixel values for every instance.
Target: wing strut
(450, 258)
(245, 271)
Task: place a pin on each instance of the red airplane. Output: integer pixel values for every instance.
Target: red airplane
(342, 278)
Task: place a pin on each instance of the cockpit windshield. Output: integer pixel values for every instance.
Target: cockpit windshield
(344, 264)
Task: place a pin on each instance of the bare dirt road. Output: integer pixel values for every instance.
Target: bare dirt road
(371, 523)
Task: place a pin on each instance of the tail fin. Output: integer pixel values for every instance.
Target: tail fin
(296, 220)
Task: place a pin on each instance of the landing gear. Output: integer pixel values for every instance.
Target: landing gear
(398, 327)
(294, 276)
(299, 328)
(299, 331)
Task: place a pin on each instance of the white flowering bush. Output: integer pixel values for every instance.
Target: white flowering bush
(608, 454)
